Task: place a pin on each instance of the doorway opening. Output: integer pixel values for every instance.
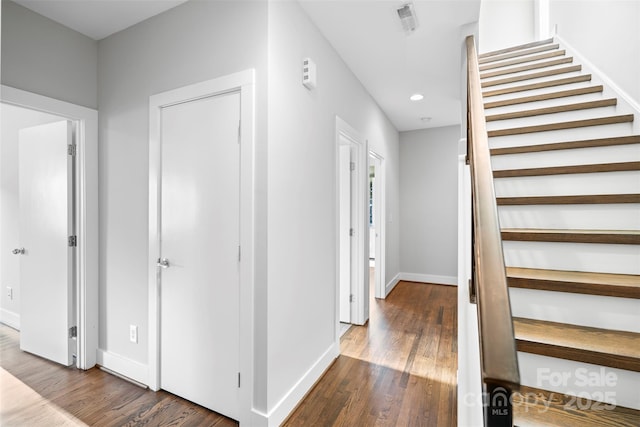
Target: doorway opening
(49, 222)
(352, 273)
(377, 222)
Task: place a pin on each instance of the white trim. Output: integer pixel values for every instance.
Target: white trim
(589, 67)
(87, 215)
(392, 284)
(290, 400)
(429, 278)
(244, 82)
(10, 318)
(360, 309)
(120, 365)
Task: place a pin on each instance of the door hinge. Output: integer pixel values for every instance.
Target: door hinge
(352, 232)
(73, 332)
(351, 298)
(352, 166)
(239, 254)
(239, 127)
(73, 241)
(238, 379)
(71, 150)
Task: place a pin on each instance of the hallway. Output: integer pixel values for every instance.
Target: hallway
(398, 370)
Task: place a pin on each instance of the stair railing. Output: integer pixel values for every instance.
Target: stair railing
(498, 357)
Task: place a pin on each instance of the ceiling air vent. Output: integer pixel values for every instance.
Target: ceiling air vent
(408, 18)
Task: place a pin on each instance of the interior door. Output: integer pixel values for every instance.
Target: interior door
(199, 252)
(345, 232)
(46, 259)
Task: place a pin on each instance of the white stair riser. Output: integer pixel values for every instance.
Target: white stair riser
(534, 92)
(621, 314)
(576, 134)
(586, 217)
(545, 119)
(523, 73)
(529, 62)
(593, 257)
(530, 81)
(544, 103)
(625, 182)
(567, 377)
(582, 156)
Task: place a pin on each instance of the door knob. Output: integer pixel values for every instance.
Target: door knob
(164, 263)
(20, 251)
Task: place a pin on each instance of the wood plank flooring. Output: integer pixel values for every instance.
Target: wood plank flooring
(398, 370)
(35, 392)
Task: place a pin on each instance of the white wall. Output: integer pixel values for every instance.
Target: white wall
(302, 196)
(196, 41)
(13, 119)
(607, 33)
(428, 204)
(44, 57)
(505, 23)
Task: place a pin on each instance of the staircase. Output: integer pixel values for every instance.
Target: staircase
(566, 163)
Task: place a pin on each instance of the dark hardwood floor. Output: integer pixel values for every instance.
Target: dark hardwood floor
(36, 392)
(399, 370)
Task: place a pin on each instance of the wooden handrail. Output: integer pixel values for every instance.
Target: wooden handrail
(499, 363)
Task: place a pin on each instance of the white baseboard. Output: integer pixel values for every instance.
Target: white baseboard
(288, 403)
(10, 318)
(121, 365)
(429, 278)
(392, 284)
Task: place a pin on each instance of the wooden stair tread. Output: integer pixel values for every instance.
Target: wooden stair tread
(536, 407)
(552, 110)
(625, 118)
(539, 85)
(516, 61)
(620, 237)
(514, 48)
(531, 76)
(605, 284)
(544, 96)
(589, 199)
(564, 170)
(616, 349)
(516, 53)
(568, 145)
(534, 66)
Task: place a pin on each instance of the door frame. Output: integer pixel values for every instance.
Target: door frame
(379, 207)
(86, 192)
(360, 307)
(243, 82)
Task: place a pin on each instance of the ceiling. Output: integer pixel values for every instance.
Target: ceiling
(99, 18)
(392, 65)
(366, 33)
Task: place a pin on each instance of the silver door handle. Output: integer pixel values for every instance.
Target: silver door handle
(164, 263)
(20, 251)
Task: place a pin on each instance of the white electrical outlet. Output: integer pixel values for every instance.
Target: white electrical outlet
(133, 334)
(10, 292)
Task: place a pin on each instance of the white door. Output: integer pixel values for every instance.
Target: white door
(46, 259)
(199, 247)
(345, 232)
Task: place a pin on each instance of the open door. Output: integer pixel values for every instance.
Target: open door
(47, 252)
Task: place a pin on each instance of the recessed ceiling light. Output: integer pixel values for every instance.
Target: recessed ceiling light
(416, 97)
